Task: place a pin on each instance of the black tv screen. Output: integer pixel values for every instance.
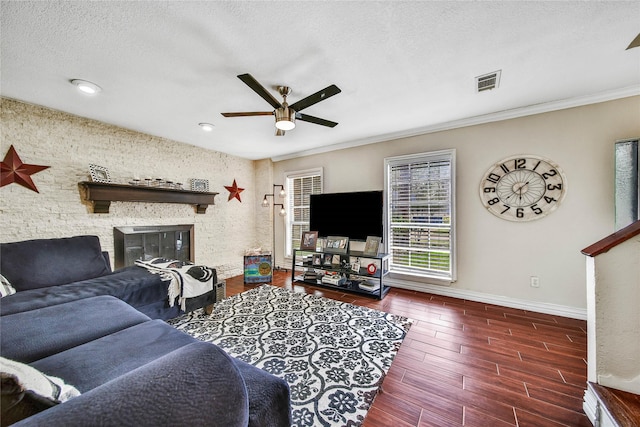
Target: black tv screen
(354, 215)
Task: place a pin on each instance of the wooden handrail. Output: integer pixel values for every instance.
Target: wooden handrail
(613, 240)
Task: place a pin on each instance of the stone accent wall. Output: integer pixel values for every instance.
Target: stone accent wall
(69, 144)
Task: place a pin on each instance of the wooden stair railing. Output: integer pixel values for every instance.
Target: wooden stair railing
(613, 240)
(623, 407)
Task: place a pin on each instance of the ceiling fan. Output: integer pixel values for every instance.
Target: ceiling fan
(284, 113)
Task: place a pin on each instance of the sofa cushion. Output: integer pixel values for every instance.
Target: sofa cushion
(29, 336)
(101, 360)
(134, 285)
(196, 385)
(5, 287)
(33, 264)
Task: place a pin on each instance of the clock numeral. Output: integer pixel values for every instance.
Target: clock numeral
(493, 178)
(536, 209)
(493, 201)
(552, 187)
(520, 212)
(549, 199)
(504, 168)
(547, 175)
(489, 189)
(507, 208)
(520, 163)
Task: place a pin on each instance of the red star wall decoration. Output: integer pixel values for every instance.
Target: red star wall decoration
(13, 170)
(234, 191)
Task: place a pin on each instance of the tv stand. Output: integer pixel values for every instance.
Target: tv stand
(306, 269)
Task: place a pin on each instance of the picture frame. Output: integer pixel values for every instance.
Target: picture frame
(327, 259)
(99, 173)
(201, 185)
(309, 240)
(372, 246)
(335, 260)
(337, 245)
(317, 259)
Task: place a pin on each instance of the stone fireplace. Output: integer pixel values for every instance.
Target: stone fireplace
(146, 242)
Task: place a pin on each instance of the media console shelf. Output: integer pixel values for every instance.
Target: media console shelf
(305, 270)
(102, 194)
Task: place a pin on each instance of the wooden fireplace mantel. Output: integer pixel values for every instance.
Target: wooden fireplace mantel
(102, 194)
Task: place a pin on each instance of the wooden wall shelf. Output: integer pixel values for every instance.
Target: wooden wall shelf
(102, 194)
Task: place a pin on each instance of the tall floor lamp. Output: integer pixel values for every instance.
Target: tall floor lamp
(282, 212)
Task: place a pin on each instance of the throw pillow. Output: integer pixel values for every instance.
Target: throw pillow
(27, 391)
(5, 287)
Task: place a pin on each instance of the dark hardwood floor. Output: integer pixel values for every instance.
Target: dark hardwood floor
(466, 363)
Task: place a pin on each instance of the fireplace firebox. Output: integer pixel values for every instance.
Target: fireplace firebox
(146, 242)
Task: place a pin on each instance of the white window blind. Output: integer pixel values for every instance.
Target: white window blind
(300, 185)
(420, 214)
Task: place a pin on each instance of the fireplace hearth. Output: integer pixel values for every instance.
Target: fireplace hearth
(146, 242)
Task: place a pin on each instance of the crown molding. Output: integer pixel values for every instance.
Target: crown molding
(476, 120)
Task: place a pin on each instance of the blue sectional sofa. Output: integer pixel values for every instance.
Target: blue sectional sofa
(74, 319)
(54, 271)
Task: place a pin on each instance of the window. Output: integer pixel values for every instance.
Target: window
(300, 185)
(420, 214)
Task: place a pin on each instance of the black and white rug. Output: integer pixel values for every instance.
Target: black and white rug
(334, 355)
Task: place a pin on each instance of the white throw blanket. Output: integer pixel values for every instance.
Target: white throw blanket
(185, 280)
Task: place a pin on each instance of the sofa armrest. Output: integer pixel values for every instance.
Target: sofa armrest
(196, 385)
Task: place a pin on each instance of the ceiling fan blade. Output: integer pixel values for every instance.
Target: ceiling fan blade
(325, 93)
(315, 120)
(249, 113)
(259, 89)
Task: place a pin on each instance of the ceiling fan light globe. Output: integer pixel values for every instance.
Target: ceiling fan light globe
(285, 118)
(285, 125)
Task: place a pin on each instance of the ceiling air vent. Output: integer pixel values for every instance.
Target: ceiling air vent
(488, 81)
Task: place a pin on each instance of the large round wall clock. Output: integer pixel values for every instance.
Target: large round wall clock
(523, 188)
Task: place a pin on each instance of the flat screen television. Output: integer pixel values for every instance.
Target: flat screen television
(355, 215)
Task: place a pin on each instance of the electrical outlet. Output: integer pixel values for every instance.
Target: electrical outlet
(535, 282)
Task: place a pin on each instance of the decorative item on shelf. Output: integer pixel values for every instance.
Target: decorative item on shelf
(99, 173)
(327, 259)
(337, 244)
(234, 191)
(372, 246)
(317, 259)
(309, 240)
(335, 260)
(13, 170)
(200, 185)
(355, 267)
(372, 268)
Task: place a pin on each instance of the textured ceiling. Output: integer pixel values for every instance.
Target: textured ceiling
(403, 67)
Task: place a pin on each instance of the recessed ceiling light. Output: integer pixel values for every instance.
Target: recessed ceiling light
(86, 87)
(207, 127)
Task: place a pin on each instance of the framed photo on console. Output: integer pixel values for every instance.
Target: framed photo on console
(317, 259)
(372, 246)
(337, 245)
(308, 241)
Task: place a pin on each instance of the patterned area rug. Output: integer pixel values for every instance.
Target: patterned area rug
(334, 355)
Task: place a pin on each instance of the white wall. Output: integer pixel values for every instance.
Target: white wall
(68, 144)
(496, 257)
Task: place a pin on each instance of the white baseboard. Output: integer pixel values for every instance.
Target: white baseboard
(539, 307)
